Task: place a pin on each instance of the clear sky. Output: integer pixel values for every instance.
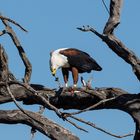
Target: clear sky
(52, 24)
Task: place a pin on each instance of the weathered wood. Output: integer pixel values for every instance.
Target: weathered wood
(114, 17)
(3, 64)
(47, 127)
(12, 34)
(112, 41)
(80, 100)
(130, 102)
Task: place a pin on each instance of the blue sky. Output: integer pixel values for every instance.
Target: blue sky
(52, 25)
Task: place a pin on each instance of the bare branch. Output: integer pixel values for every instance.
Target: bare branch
(88, 123)
(57, 132)
(33, 130)
(2, 32)
(122, 51)
(92, 107)
(119, 48)
(114, 18)
(65, 100)
(105, 6)
(3, 64)
(28, 66)
(74, 124)
(14, 22)
(100, 129)
(18, 106)
(99, 98)
(113, 43)
(46, 103)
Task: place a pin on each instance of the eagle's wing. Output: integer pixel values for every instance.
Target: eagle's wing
(81, 60)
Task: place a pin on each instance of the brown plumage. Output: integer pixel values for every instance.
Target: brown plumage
(74, 60)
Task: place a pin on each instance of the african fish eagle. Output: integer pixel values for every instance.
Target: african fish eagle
(74, 60)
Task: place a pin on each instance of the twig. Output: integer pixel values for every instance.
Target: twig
(100, 129)
(33, 130)
(78, 127)
(90, 123)
(41, 109)
(93, 106)
(90, 29)
(12, 34)
(105, 6)
(116, 46)
(14, 22)
(46, 102)
(19, 107)
(2, 32)
(64, 115)
(36, 93)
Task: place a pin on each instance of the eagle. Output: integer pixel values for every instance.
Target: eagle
(74, 60)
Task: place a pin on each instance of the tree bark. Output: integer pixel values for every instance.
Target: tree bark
(131, 102)
(47, 127)
(102, 98)
(80, 100)
(115, 44)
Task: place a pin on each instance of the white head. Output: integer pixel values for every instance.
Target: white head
(57, 61)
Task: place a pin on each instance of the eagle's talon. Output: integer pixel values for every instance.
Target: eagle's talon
(74, 60)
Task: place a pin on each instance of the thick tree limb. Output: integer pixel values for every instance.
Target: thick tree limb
(112, 41)
(37, 94)
(84, 99)
(49, 128)
(119, 48)
(67, 101)
(127, 55)
(114, 18)
(113, 98)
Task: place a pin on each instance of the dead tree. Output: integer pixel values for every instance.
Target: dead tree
(12, 90)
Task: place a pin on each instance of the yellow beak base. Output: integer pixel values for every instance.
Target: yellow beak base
(53, 72)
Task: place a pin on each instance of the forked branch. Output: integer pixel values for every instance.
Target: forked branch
(57, 132)
(14, 22)
(121, 50)
(112, 41)
(9, 31)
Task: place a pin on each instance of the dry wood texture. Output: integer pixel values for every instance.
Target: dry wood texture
(83, 99)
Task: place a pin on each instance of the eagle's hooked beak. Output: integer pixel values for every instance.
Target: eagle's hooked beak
(53, 71)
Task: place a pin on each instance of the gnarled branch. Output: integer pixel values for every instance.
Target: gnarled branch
(126, 54)
(112, 41)
(9, 31)
(49, 128)
(12, 21)
(84, 99)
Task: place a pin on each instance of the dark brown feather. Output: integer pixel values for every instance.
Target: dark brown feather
(81, 60)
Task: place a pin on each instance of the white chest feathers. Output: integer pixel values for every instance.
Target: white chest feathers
(59, 60)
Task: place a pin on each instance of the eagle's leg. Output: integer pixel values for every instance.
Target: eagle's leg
(75, 76)
(65, 73)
